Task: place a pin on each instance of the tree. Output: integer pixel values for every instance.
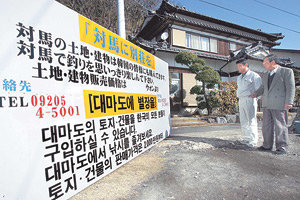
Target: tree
(297, 97)
(296, 101)
(297, 76)
(297, 118)
(104, 12)
(100, 11)
(292, 128)
(206, 75)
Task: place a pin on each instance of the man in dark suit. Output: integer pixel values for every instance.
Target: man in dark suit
(278, 91)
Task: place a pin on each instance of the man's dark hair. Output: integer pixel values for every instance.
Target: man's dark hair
(243, 61)
(273, 57)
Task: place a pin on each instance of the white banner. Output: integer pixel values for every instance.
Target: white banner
(76, 101)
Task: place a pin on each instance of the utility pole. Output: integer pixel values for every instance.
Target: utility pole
(121, 19)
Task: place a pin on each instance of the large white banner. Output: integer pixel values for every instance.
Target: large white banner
(76, 101)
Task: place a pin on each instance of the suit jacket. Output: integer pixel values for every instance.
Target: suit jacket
(281, 91)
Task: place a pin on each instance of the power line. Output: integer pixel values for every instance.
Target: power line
(277, 8)
(149, 11)
(228, 9)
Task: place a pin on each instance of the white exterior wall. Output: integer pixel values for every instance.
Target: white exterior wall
(170, 59)
(254, 65)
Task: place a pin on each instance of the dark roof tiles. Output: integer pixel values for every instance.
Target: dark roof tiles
(167, 7)
(168, 13)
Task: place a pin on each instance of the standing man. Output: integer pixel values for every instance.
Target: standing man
(278, 90)
(247, 83)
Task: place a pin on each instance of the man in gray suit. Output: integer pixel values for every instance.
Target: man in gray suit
(278, 91)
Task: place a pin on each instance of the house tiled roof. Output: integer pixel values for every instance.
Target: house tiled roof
(257, 51)
(254, 51)
(286, 50)
(168, 14)
(220, 27)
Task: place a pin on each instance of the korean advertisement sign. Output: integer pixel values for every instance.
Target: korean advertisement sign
(76, 101)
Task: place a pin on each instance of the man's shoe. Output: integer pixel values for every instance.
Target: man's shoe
(242, 142)
(280, 151)
(251, 145)
(262, 148)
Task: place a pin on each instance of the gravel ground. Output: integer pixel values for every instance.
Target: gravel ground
(203, 163)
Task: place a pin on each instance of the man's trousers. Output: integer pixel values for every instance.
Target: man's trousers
(275, 121)
(248, 111)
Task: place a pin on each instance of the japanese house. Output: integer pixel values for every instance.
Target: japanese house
(172, 29)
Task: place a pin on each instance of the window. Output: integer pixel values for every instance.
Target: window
(232, 46)
(195, 41)
(175, 84)
(188, 40)
(204, 43)
(213, 45)
(174, 75)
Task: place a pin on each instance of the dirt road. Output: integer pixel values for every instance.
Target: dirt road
(203, 163)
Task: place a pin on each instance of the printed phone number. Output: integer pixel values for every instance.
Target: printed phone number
(56, 105)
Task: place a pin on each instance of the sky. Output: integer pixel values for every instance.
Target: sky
(257, 10)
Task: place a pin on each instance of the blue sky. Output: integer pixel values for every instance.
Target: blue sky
(254, 9)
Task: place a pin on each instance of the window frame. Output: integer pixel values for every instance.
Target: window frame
(176, 93)
(210, 45)
(231, 44)
(189, 42)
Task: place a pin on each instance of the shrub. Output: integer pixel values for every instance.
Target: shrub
(227, 99)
